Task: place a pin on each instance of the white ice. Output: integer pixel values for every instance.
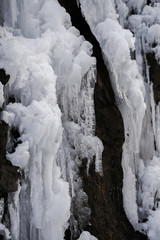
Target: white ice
(134, 95)
(52, 78)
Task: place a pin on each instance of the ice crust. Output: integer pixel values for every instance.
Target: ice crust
(86, 236)
(134, 95)
(52, 78)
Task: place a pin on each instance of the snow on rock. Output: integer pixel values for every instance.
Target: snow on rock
(146, 29)
(4, 231)
(86, 236)
(117, 43)
(1, 95)
(134, 96)
(153, 228)
(136, 5)
(22, 152)
(38, 119)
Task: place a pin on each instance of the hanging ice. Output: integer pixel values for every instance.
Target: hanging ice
(52, 77)
(134, 95)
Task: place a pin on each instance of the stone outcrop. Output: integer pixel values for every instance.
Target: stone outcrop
(108, 219)
(8, 172)
(154, 73)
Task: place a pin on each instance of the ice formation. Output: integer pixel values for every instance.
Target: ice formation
(86, 236)
(52, 78)
(134, 95)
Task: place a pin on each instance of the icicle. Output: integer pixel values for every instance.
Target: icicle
(52, 80)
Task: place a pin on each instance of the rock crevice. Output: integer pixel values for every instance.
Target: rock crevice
(108, 219)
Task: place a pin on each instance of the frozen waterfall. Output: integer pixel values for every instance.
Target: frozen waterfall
(52, 77)
(113, 25)
(49, 102)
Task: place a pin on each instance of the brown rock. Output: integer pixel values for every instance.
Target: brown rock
(2, 236)
(8, 173)
(3, 141)
(154, 73)
(108, 219)
(8, 178)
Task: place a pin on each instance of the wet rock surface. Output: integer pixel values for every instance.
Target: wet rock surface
(108, 219)
(154, 73)
(8, 172)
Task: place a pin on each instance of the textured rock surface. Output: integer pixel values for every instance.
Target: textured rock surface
(108, 220)
(154, 72)
(8, 173)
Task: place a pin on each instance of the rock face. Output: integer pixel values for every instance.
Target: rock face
(8, 172)
(1, 14)
(108, 220)
(154, 72)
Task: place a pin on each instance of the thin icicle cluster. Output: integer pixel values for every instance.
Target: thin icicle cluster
(86, 236)
(75, 93)
(37, 117)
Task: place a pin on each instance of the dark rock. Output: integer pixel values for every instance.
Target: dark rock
(8, 173)
(108, 219)
(3, 139)
(15, 133)
(2, 236)
(8, 178)
(14, 136)
(11, 99)
(79, 22)
(4, 78)
(148, 2)
(154, 73)
(1, 13)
